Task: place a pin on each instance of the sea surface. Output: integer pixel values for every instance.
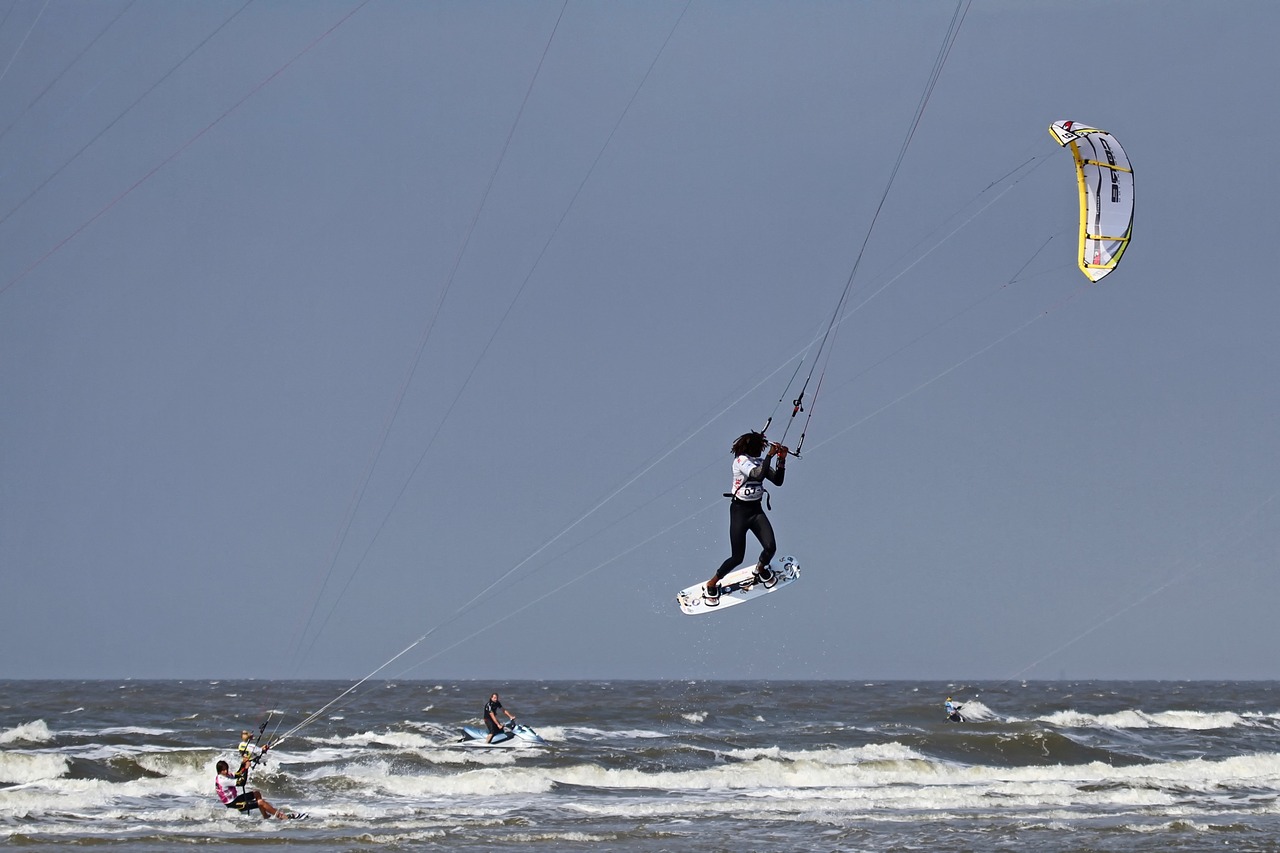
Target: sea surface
(649, 766)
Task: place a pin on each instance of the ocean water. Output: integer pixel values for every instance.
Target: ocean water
(650, 766)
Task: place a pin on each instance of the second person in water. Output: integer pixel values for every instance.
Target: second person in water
(746, 512)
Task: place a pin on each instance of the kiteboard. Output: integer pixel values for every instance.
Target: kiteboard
(736, 587)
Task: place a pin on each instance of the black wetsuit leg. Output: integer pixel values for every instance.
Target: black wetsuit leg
(744, 516)
(763, 530)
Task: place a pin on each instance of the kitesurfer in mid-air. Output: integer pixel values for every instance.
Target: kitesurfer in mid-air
(491, 709)
(746, 511)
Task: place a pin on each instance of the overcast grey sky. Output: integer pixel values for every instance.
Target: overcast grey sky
(258, 260)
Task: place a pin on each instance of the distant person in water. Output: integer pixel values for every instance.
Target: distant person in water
(247, 748)
(746, 511)
(249, 755)
(228, 788)
(953, 711)
(491, 709)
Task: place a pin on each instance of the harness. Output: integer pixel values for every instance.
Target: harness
(746, 481)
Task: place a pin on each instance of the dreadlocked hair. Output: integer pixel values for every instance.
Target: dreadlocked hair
(749, 444)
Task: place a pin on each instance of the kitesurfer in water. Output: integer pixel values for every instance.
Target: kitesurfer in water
(953, 711)
(244, 801)
(491, 709)
(247, 748)
(250, 753)
(746, 511)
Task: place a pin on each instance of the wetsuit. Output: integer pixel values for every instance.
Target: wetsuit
(746, 512)
(491, 709)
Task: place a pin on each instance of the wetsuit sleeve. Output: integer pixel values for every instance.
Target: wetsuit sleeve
(775, 475)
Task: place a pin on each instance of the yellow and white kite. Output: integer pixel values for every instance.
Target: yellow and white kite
(1106, 195)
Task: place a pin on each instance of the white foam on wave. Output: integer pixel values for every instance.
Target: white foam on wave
(591, 733)
(433, 730)
(500, 778)
(883, 777)
(17, 768)
(1181, 825)
(976, 712)
(892, 751)
(457, 754)
(99, 798)
(901, 790)
(448, 751)
(36, 731)
(319, 755)
(890, 781)
(398, 739)
(1136, 719)
(551, 733)
(569, 837)
(405, 839)
(895, 772)
(695, 716)
(134, 730)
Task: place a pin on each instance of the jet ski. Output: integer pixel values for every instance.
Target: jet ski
(512, 735)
